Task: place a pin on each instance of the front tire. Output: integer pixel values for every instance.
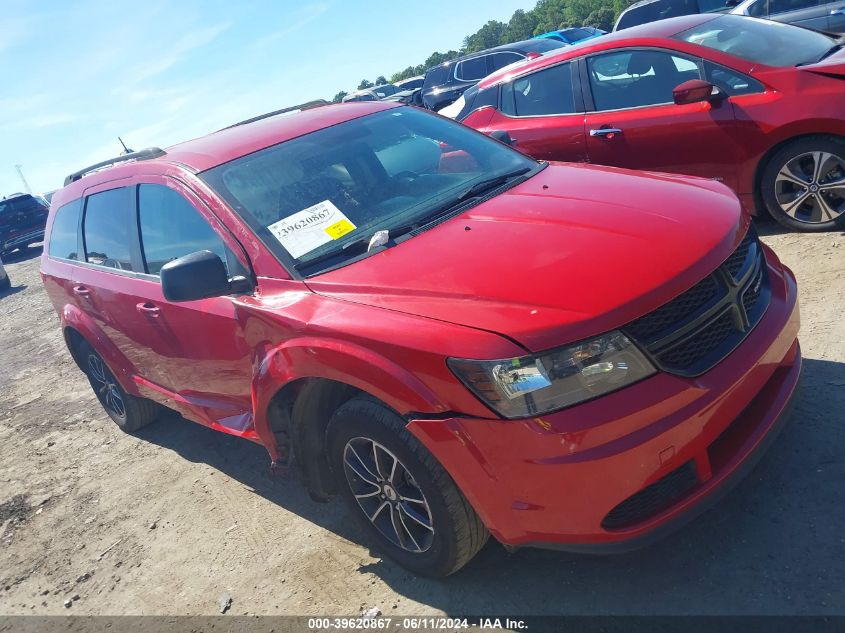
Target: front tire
(399, 493)
(803, 184)
(127, 411)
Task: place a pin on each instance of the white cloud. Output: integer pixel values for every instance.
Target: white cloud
(193, 40)
(302, 17)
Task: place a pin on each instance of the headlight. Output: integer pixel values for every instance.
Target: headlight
(533, 385)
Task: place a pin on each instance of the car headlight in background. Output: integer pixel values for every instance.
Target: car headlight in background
(533, 385)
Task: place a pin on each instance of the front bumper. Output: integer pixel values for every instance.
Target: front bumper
(617, 471)
(25, 239)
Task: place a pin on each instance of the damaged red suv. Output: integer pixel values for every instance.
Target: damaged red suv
(453, 337)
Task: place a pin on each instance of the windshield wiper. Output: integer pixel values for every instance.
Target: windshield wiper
(474, 191)
(355, 247)
(830, 51)
(833, 49)
(490, 183)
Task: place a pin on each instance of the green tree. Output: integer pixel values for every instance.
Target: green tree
(602, 18)
(548, 15)
(365, 83)
(487, 36)
(380, 80)
(339, 96)
(520, 27)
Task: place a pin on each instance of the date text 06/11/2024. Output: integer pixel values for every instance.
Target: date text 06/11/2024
(415, 624)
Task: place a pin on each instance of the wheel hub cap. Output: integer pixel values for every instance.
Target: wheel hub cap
(811, 187)
(388, 495)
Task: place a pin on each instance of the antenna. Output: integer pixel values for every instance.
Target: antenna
(19, 169)
(126, 150)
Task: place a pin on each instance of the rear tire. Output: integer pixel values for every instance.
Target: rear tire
(422, 521)
(127, 411)
(803, 184)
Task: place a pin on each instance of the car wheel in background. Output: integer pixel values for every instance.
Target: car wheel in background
(127, 411)
(5, 284)
(803, 184)
(400, 494)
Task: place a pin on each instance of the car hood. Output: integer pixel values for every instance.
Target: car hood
(572, 252)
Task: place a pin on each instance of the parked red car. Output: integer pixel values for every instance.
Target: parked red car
(754, 104)
(455, 338)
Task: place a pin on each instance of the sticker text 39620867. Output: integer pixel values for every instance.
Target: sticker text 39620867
(309, 229)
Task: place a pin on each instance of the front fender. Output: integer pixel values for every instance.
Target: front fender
(340, 361)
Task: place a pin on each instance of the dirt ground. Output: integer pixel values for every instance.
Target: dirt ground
(167, 521)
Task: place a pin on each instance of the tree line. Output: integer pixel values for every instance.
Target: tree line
(547, 15)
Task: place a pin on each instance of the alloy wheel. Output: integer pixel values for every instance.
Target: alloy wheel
(811, 187)
(388, 494)
(105, 385)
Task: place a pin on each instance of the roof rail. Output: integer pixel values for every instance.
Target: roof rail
(308, 105)
(144, 154)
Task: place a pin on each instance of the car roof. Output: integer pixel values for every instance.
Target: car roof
(513, 46)
(643, 34)
(220, 147)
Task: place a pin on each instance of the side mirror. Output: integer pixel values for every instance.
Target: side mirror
(198, 276)
(731, 3)
(503, 137)
(695, 91)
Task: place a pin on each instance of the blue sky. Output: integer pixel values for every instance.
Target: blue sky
(78, 74)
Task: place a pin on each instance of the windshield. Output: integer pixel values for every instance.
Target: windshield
(760, 41)
(310, 197)
(574, 35)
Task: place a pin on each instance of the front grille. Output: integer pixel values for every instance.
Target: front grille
(652, 499)
(738, 259)
(706, 341)
(698, 328)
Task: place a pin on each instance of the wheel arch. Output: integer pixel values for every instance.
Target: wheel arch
(78, 326)
(299, 385)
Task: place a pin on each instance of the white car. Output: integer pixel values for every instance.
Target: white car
(4, 277)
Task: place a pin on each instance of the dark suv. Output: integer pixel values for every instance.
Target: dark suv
(443, 84)
(22, 221)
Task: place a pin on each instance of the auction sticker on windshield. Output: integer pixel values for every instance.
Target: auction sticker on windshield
(309, 229)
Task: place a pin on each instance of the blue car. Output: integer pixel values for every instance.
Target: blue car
(570, 36)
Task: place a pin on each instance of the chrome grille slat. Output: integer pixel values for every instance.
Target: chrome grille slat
(696, 330)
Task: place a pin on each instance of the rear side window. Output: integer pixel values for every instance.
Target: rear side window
(500, 60)
(545, 92)
(106, 228)
(436, 77)
(475, 99)
(171, 227)
(472, 69)
(783, 6)
(64, 234)
(633, 17)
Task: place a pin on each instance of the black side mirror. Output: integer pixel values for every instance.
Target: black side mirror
(731, 3)
(503, 137)
(198, 276)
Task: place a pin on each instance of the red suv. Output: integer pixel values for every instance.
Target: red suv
(457, 339)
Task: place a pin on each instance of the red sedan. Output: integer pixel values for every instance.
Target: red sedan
(754, 104)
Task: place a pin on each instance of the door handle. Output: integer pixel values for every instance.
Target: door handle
(606, 132)
(839, 11)
(148, 308)
(82, 291)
